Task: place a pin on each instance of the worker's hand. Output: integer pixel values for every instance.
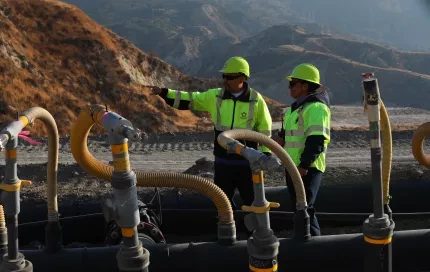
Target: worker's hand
(155, 90)
(278, 139)
(303, 172)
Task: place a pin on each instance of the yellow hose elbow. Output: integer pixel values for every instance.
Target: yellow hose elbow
(418, 144)
(48, 120)
(93, 114)
(228, 137)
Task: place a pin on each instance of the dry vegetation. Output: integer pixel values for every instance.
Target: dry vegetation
(54, 56)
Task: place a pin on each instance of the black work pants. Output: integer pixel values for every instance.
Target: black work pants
(229, 177)
(311, 182)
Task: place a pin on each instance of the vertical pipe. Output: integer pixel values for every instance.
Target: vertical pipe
(12, 236)
(131, 256)
(263, 244)
(13, 260)
(378, 228)
(11, 198)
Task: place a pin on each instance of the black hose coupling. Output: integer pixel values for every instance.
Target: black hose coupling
(227, 233)
(263, 251)
(302, 225)
(20, 264)
(378, 233)
(133, 258)
(53, 237)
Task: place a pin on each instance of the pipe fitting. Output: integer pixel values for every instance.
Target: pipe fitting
(117, 126)
(263, 252)
(258, 160)
(78, 140)
(226, 233)
(20, 264)
(229, 141)
(302, 225)
(125, 200)
(133, 258)
(378, 231)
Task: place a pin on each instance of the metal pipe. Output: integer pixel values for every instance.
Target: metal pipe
(78, 142)
(332, 253)
(13, 260)
(131, 255)
(378, 228)
(263, 245)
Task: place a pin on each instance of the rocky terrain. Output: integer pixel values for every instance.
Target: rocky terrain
(348, 160)
(277, 35)
(54, 56)
(191, 152)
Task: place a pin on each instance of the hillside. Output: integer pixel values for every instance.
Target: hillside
(190, 26)
(403, 76)
(54, 56)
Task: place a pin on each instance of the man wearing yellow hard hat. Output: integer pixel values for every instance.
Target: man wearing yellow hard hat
(306, 134)
(236, 105)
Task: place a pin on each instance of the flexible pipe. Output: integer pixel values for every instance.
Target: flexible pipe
(387, 152)
(229, 137)
(78, 140)
(53, 146)
(418, 144)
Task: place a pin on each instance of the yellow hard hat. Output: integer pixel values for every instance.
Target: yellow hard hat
(307, 72)
(236, 65)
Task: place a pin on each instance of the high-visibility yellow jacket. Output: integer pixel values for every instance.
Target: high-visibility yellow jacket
(248, 111)
(307, 131)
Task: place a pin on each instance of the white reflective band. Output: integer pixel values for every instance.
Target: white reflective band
(190, 106)
(294, 133)
(294, 145)
(177, 99)
(318, 128)
(218, 107)
(252, 101)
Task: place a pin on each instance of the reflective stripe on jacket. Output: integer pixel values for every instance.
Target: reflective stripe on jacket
(248, 111)
(309, 119)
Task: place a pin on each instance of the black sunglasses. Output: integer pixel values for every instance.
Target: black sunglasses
(293, 83)
(230, 77)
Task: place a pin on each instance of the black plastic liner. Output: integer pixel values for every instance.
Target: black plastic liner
(328, 253)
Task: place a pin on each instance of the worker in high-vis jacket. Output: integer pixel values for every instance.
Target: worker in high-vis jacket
(236, 106)
(306, 134)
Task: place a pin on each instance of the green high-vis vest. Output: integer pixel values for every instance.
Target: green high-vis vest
(309, 119)
(228, 114)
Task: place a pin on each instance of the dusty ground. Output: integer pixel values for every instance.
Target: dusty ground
(348, 159)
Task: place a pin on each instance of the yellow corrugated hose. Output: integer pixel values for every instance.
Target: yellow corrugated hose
(418, 144)
(91, 115)
(387, 152)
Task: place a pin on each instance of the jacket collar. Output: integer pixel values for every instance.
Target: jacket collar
(244, 97)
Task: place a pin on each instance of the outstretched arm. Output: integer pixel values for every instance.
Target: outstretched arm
(186, 100)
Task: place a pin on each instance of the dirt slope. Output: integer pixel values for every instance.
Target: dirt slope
(54, 56)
